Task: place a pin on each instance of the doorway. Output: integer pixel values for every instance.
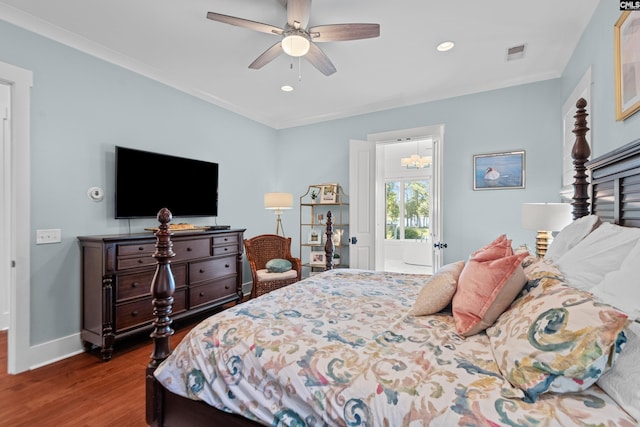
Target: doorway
(411, 236)
(5, 161)
(405, 170)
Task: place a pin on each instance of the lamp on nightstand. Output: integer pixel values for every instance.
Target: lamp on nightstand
(545, 218)
(278, 202)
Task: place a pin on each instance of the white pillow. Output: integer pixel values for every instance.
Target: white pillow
(571, 235)
(603, 250)
(620, 288)
(621, 381)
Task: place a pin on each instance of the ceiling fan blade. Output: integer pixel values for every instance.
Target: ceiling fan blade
(298, 13)
(320, 60)
(267, 56)
(340, 32)
(244, 23)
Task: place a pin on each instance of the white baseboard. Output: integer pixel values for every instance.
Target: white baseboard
(246, 288)
(4, 321)
(53, 351)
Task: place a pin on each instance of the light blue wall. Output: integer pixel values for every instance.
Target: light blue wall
(522, 117)
(595, 49)
(82, 107)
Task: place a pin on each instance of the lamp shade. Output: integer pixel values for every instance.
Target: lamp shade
(278, 201)
(546, 216)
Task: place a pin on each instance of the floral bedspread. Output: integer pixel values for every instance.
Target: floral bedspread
(340, 348)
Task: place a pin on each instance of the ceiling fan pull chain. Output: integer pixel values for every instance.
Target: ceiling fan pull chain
(299, 68)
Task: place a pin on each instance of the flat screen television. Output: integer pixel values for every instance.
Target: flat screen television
(147, 182)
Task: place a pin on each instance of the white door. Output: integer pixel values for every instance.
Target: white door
(362, 160)
(5, 161)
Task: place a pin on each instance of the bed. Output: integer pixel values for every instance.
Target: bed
(363, 348)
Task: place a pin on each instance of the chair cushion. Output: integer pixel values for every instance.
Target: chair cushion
(265, 276)
(278, 265)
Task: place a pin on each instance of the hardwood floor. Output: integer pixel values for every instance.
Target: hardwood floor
(81, 390)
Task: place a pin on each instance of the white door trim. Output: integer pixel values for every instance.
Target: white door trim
(19, 213)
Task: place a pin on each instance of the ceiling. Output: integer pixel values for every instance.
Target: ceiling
(173, 42)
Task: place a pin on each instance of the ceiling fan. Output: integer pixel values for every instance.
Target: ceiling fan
(297, 39)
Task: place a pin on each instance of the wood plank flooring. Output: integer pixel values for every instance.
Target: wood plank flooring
(81, 390)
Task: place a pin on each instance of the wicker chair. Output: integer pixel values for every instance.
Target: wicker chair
(260, 250)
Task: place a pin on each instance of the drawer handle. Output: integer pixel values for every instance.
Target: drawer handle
(189, 249)
(201, 294)
(140, 261)
(226, 240)
(227, 266)
(141, 248)
(226, 249)
(134, 313)
(202, 270)
(226, 287)
(135, 284)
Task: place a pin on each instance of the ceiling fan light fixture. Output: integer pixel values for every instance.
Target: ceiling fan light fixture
(296, 44)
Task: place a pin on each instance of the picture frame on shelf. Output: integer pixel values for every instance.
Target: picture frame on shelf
(336, 238)
(329, 193)
(314, 237)
(499, 171)
(627, 72)
(317, 258)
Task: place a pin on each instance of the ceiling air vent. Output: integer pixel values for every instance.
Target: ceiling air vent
(516, 52)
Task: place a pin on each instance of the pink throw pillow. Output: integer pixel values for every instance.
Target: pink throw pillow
(486, 288)
(499, 248)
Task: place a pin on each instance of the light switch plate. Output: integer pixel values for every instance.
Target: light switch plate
(44, 237)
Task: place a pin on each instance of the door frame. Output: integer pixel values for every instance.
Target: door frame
(18, 213)
(376, 215)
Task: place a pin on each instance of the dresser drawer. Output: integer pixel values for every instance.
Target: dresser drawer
(225, 239)
(225, 250)
(130, 249)
(191, 249)
(141, 261)
(139, 284)
(140, 312)
(211, 269)
(207, 293)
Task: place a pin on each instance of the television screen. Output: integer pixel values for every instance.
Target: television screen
(147, 182)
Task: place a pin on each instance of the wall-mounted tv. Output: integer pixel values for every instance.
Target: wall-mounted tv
(147, 182)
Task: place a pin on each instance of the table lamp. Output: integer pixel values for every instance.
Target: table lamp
(278, 202)
(545, 218)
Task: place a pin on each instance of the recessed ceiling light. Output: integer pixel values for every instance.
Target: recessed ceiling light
(445, 46)
(287, 88)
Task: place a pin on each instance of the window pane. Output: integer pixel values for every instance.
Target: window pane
(392, 210)
(416, 209)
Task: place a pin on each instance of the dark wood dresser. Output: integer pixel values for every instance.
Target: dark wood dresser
(116, 277)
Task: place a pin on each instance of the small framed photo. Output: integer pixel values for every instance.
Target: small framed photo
(315, 237)
(499, 171)
(317, 258)
(329, 193)
(627, 72)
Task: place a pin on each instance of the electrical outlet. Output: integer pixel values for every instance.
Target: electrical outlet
(44, 237)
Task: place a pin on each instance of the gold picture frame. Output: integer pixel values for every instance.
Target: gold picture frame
(329, 193)
(627, 64)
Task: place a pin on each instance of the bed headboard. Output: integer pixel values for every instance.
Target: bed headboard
(615, 185)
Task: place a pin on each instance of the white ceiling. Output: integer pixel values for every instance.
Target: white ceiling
(173, 42)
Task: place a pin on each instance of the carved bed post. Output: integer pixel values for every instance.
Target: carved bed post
(162, 288)
(580, 154)
(328, 246)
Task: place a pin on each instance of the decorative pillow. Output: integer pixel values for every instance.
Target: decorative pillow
(561, 341)
(541, 274)
(571, 235)
(499, 248)
(437, 293)
(278, 265)
(621, 381)
(603, 250)
(486, 288)
(620, 288)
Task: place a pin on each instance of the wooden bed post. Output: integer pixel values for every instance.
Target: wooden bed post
(328, 245)
(162, 289)
(580, 154)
